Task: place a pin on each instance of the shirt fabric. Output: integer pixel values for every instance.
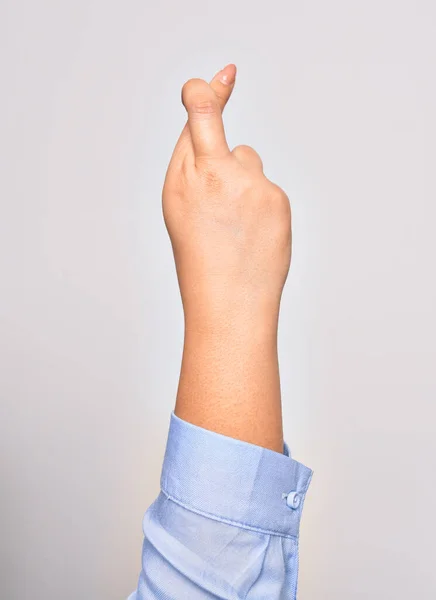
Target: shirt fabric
(225, 524)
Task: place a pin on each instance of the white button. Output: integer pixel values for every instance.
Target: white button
(293, 500)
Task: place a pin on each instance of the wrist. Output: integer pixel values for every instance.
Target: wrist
(256, 325)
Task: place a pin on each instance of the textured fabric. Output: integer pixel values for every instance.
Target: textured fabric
(226, 522)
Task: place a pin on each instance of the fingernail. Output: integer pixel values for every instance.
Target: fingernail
(227, 75)
(224, 79)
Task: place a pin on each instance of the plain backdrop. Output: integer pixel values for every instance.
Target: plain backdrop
(339, 99)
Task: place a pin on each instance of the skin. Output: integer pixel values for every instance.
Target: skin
(230, 230)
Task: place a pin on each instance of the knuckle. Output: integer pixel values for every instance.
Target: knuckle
(247, 151)
(211, 180)
(281, 202)
(204, 106)
(244, 148)
(278, 194)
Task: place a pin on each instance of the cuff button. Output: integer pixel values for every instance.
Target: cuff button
(293, 500)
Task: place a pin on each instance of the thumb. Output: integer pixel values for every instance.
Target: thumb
(204, 120)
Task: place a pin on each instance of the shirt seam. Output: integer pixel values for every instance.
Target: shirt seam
(228, 521)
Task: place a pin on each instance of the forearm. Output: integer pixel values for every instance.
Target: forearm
(226, 521)
(230, 228)
(229, 380)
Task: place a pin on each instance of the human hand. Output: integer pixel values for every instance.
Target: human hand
(230, 227)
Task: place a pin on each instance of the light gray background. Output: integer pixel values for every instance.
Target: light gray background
(339, 99)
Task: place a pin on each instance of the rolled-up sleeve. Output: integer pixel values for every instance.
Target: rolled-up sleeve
(226, 522)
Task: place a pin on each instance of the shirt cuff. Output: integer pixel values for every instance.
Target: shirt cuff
(234, 481)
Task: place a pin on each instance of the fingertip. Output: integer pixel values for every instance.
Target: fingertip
(193, 87)
(227, 75)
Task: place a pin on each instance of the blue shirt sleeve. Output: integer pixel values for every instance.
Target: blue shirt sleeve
(226, 522)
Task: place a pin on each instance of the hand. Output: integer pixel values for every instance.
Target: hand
(230, 227)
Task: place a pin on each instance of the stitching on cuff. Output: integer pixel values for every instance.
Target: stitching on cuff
(228, 521)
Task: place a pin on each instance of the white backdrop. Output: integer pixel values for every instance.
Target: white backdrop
(339, 99)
